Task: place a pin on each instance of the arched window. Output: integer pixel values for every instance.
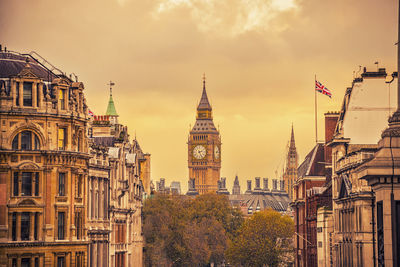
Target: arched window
(26, 140)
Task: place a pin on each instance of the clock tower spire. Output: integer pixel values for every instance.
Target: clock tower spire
(204, 148)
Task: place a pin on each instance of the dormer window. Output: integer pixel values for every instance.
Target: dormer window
(61, 98)
(27, 94)
(26, 140)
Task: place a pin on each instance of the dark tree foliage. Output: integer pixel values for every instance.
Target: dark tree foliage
(263, 240)
(183, 231)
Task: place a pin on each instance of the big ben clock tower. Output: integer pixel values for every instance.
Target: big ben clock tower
(204, 148)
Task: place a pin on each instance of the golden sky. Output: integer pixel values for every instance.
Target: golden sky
(259, 56)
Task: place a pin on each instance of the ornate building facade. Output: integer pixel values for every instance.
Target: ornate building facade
(71, 187)
(127, 164)
(290, 172)
(43, 165)
(204, 148)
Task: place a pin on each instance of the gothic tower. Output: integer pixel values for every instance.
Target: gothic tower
(290, 173)
(204, 148)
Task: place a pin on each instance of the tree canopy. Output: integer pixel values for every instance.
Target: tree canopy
(263, 240)
(184, 231)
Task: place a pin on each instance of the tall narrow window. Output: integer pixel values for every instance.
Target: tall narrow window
(26, 140)
(26, 262)
(61, 184)
(36, 184)
(16, 184)
(61, 225)
(60, 261)
(25, 225)
(61, 138)
(26, 188)
(379, 226)
(17, 94)
(36, 226)
(15, 143)
(36, 142)
(14, 262)
(27, 100)
(61, 98)
(78, 225)
(36, 262)
(14, 226)
(79, 186)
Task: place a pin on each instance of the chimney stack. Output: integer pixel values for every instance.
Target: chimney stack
(265, 184)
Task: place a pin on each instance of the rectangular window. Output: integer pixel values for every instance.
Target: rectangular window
(17, 94)
(61, 184)
(36, 262)
(79, 186)
(61, 98)
(26, 262)
(36, 184)
(25, 225)
(14, 227)
(61, 138)
(27, 94)
(14, 262)
(61, 225)
(26, 188)
(26, 140)
(16, 184)
(60, 261)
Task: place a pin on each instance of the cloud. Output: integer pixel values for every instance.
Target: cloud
(231, 17)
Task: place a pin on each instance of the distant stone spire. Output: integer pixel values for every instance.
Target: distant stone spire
(111, 107)
(292, 142)
(204, 103)
(236, 186)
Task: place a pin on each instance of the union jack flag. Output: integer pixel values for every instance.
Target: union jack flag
(90, 113)
(322, 89)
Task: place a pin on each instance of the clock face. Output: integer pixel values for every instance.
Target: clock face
(216, 152)
(199, 152)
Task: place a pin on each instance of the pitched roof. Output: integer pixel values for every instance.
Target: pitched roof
(313, 164)
(111, 107)
(204, 103)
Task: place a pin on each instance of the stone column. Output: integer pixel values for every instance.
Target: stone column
(21, 94)
(14, 92)
(40, 93)
(10, 226)
(34, 95)
(18, 226)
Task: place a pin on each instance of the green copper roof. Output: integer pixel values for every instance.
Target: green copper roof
(111, 108)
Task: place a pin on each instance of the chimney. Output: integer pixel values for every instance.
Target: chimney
(282, 182)
(223, 182)
(331, 119)
(265, 184)
(257, 186)
(248, 191)
(274, 184)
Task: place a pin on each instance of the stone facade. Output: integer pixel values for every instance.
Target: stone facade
(98, 218)
(72, 187)
(355, 205)
(43, 165)
(127, 164)
(204, 149)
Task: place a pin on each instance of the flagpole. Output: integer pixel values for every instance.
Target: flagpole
(315, 109)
